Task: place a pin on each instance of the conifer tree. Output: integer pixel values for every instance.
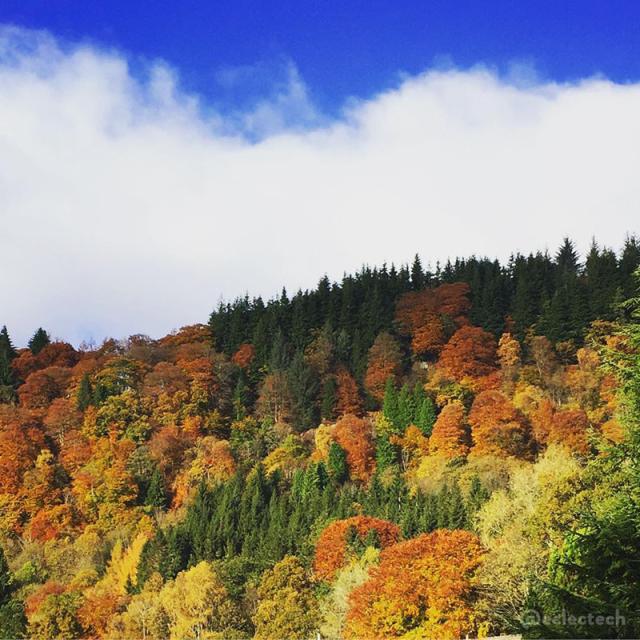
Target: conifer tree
(337, 463)
(417, 273)
(12, 619)
(156, 493)
(390, 402)
(328, 401)
(39, 341)
(85, 393)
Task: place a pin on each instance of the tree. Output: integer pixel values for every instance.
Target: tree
(287, 606)
(471, 352)
(347, 394)
(337, 463)
(12, 620)
(7, 355)
(156, 496)
(449, 438)
(424, 586)
(384, 362)
(354, 436)
(497, 427)
(39, 341)
(197, 602)
(84, 397)
(332, 549)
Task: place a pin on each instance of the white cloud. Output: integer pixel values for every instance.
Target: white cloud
(128, 206)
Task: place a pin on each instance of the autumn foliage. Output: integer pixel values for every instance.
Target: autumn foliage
(353, 434)
(449, 436)
(424, 585)
(424, 315)
(332, 547)
(470, 353)
(497, 427)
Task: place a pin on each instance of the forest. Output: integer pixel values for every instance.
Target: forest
(406, 453)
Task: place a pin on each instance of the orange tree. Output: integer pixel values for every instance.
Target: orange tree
(332, 546)
(424, 586)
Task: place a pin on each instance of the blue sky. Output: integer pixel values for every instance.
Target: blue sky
(156, 157)
(349, 48)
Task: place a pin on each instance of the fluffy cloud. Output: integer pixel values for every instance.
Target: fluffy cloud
(127, 205)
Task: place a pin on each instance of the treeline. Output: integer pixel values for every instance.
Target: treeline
(558, 295)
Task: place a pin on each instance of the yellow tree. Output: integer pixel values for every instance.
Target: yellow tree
(287, 606)
(197, 602)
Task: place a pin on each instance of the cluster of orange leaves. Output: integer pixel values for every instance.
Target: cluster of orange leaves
(331, 548)
(425, 584)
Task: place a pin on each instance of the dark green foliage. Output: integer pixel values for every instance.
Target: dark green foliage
(386, 453)
(303, 387)
(7, 380)
(157, 497)
(39, 341)
(337, 463)
(328, 400)
(12, 618)
(85, 393)
(260, 518)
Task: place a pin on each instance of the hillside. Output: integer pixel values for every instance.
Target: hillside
(406, 453)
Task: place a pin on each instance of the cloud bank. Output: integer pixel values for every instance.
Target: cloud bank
(127, 205)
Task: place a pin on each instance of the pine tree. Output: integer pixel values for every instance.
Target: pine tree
(337, 463)
(328, 401)
(386, 453)
(390, 403)
(85, 393)
(425, 416)
(406, 408)
(303, 387)
(39, 341)
(156, 493)
(6, 346)
(12, 619)
(417, 273)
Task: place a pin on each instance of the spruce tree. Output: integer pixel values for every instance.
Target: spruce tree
(338, 467)
(156, 493)
(328, 401)
(85, 393)
(12, 618)
(425, 416)
(417, 274)
(6, 346)
(390, 403)
(386, 453)
(39, 341)
(406, 408)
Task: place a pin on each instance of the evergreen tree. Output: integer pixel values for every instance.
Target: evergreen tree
(386, 453)
(85, 393)
(406, 408)
(337, 463)
(39, 341)
(328, 401)
(12, 618)
(425, 416)
(156, 493)
(417, 274)
(6, 346)
(390, 403)
(303, 388)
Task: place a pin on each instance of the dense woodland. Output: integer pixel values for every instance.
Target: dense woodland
(404, 454)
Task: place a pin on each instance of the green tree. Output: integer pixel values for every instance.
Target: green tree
(156, 493)
(39, 341)
(12, 620)
(337, 463)
(85, 393)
